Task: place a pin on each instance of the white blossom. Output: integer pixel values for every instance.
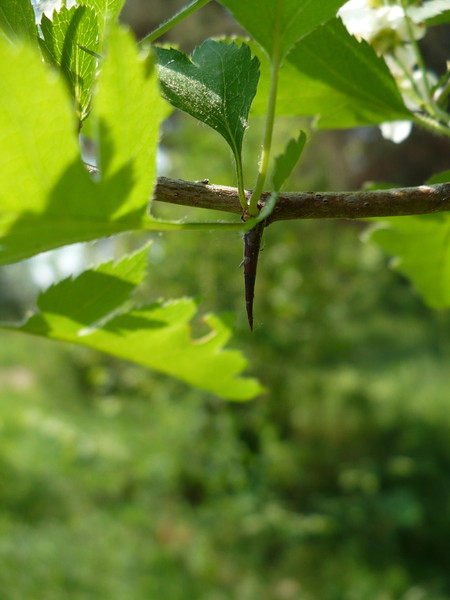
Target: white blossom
(396, 131)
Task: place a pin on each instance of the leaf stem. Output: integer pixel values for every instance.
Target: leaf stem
(431, 124)
(240, 182)
(432, 107)
(174, 20)
(415, 47)
(270, 118)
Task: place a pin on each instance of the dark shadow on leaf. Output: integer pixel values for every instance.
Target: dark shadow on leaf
(78, 210)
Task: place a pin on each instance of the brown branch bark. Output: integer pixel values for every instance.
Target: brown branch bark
(419, 200)
(396, 202)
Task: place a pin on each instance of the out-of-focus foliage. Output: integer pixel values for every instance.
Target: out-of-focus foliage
(118, 483)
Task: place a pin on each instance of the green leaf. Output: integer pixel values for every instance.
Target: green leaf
(156, 336)
(336, 78)
(128, 110)
(42, 176)
(285, 163)
(443, 177)
(421, 245)
(47, 198)
(63, 36)
(441, 19)
(281, 21)
(106, 11)
(216, 86)
(17, 19)
(108, 8)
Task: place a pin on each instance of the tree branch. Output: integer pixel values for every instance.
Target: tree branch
(396, 202)
(419, 200)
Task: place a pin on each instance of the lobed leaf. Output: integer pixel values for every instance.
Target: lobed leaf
(283, 21)
(156, 336)
(216, 86)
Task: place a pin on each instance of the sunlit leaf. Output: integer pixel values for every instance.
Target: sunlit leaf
(89, 311)
(64, 37)
(47, 198)
(216, 86)
(107, 11)
(128, 109)
(17, 19)
(109, 8)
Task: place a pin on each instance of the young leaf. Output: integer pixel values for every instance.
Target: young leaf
(285, 163)
(333, 76)
(17, 19)
(64, 39)
(268, 21)
(156, 336)
(216, 86)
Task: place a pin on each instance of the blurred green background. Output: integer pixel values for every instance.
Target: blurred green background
(119, 483)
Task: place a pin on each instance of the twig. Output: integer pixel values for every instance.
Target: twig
(419, 200)
(395, 202)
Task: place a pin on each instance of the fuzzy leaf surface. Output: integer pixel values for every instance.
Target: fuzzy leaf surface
(283, 21)
(216, 86)
(334, 77)
(87, 311)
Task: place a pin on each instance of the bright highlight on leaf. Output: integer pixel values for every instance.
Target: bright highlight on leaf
(92, 310)
(17, 20)
(285, 163)
(216, 86)
(47, 198)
